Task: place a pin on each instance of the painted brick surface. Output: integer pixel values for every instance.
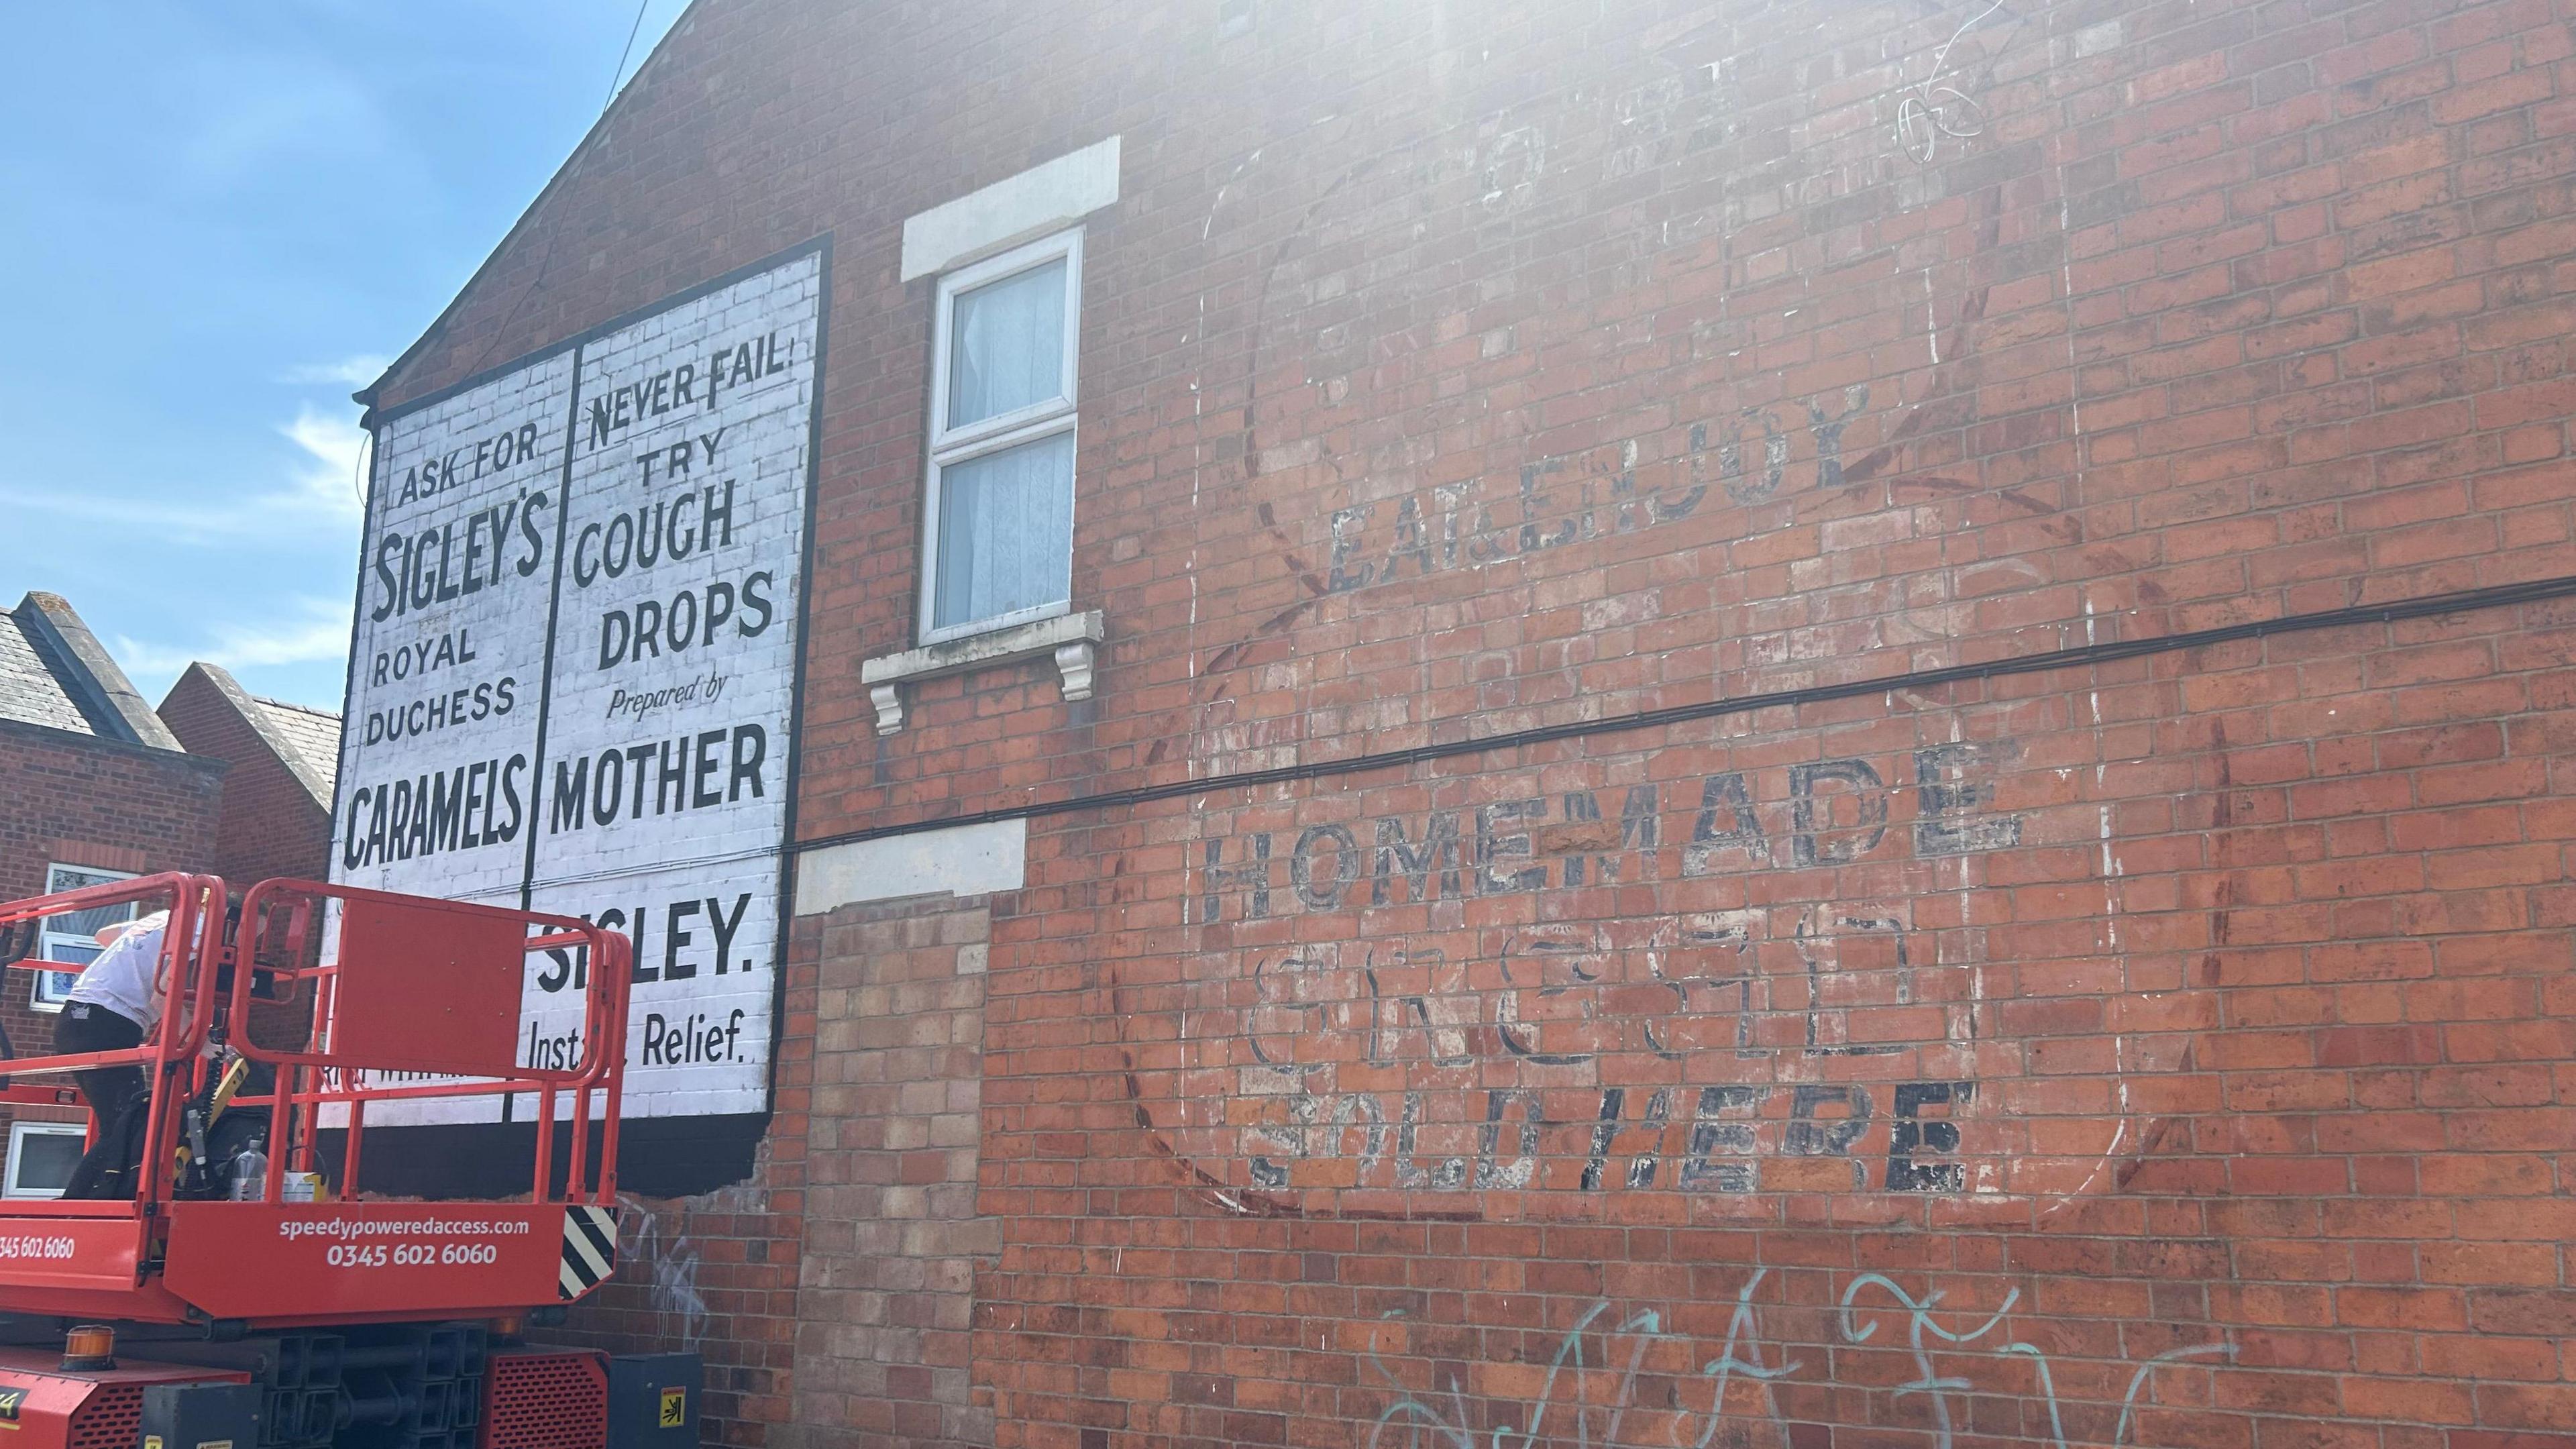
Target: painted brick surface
(576, 672)
(711, 702)
(2162, 1051)
(424, 636)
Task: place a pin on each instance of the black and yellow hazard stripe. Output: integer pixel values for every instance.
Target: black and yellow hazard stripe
(589, 1249)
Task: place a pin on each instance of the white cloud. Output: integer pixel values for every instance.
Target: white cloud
(336, 449)
(321, 633)
(321, 492)
(356, 371)
(144, 515)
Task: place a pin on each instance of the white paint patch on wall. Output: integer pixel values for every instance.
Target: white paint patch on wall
(438, 762)
(664, 803)
(643, 601)
(450, 648)
(968, 860)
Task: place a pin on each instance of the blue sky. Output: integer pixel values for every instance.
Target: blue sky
(216, 221)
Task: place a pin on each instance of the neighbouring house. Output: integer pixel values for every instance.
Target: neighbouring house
(280, 760)
(96, 786)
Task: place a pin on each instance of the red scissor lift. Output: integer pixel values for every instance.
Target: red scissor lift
(420, 1001)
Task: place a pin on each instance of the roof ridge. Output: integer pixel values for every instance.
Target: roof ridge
(266, 720)
(87, 674)
(291, 704)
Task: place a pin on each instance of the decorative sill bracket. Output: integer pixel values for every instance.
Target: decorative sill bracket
(1074, 640)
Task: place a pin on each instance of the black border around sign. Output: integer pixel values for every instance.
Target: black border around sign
(804, 658)
(546, 667)
(660, 1156)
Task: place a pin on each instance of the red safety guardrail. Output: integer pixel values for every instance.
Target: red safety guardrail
(423, 994)
(354, 994)
(172, 1053)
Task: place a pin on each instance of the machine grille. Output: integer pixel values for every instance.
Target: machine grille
(112, 1419)
(545, 1401)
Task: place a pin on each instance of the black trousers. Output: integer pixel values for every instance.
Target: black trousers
(115, 1096)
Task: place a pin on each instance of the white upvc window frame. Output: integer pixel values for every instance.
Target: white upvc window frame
(46, 989)
(1045, 418)
(19, 1132)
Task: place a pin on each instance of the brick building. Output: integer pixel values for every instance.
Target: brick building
(93, 788)
(280, 759)
(1626, 722)
(99, 786)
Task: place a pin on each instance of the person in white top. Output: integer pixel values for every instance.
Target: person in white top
(114, 1006)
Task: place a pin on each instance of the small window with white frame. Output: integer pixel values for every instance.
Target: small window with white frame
(999, 532)
(41, 1158)
(73, 938)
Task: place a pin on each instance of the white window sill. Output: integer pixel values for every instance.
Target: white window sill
(1074, 640)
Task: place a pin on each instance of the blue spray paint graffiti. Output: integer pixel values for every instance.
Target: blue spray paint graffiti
(1919, 1323)
(1743, 1366)
(1427, 1428)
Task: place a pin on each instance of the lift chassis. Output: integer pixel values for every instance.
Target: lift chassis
(214, 1273)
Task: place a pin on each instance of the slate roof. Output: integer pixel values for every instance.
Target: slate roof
(313, 733)
(55, 673)
(30, 692)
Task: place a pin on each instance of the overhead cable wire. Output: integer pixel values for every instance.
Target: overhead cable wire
(637, 29)
(546, 258)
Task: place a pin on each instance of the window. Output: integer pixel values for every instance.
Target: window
(71, 938)
(41, 1157)
(999, 534)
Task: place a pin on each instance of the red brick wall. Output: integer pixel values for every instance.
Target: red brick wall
(66, 799)
(2234, 1030)
(1451, 371)
(271, 825)
(834, 1292)
(718, 1274)
(893, 1236)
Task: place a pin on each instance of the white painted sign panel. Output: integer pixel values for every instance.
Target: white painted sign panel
(575, 671)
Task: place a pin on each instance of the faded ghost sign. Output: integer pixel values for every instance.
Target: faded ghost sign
(574, 676)
(1734, 981)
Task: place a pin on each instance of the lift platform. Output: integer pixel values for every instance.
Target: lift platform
(416, 1000)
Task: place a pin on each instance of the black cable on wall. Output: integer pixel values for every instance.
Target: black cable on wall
(2084, 657)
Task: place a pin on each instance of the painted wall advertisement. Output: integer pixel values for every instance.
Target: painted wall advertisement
(575, 665)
